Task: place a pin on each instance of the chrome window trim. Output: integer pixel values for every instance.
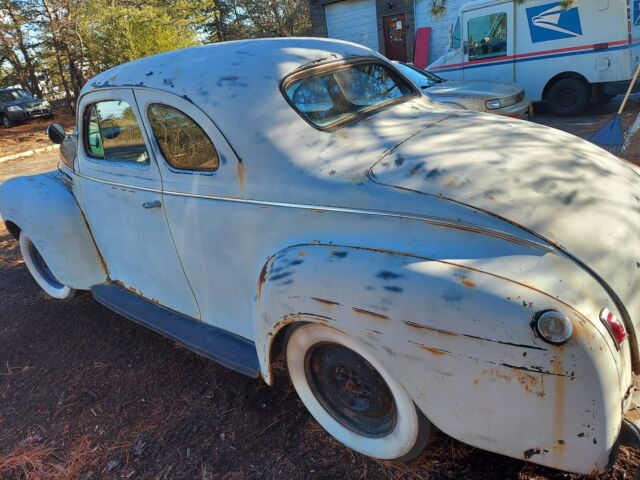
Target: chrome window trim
(436, 221)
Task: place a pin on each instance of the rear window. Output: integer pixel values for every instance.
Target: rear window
(341, 94)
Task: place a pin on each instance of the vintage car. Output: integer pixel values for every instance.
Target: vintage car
(420, 266)
(500, 98)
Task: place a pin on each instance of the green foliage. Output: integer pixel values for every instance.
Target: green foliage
(118, 32)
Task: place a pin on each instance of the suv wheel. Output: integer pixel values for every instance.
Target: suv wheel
(6, 122)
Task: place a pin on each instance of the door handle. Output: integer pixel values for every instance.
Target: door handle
(152, 204)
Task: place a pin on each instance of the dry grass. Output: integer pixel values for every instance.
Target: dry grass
(32, 460)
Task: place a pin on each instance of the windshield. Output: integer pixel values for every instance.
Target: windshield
(339, 95)
(421, 78)
(10, 95)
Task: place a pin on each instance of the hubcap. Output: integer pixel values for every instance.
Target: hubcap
(567, 97)
(351, 390)
(42, 267)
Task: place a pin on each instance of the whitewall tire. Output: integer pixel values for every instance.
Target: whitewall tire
(353, 396)
(40, 271)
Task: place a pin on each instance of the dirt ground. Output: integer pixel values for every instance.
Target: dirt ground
(28, 136)
(86, 394)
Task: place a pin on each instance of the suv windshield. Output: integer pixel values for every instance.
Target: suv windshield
(421, 78)
(11, 95)
(338, 95)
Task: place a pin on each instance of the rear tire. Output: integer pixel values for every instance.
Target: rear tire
(568, 97)
(353, 396)
(40, 271)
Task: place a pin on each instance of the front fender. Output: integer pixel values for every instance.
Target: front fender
(44, 207)
(461, 343)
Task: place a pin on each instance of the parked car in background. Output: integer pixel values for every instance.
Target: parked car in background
(492, 97)
(18, 105)
(418, 265)
(566, 56)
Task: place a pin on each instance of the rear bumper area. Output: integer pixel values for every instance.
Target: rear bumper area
(630, 432)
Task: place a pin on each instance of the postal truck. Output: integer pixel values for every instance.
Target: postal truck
(566, 55)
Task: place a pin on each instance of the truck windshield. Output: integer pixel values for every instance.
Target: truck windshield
(343, 93)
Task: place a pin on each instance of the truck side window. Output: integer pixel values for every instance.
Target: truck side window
(456, 37)
(487, 36)
(111, 132)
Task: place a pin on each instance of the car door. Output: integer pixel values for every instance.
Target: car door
(120, 190)
(489, 41)
(202, 191)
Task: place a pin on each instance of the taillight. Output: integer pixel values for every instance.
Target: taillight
(615, 326)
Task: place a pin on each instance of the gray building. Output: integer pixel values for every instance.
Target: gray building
(388, 27)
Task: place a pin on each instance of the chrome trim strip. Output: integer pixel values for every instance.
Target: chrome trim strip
(436, 221)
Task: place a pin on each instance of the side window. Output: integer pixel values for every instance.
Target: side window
(183, 143)
(487, 36)
(456, 37)
(111, 132)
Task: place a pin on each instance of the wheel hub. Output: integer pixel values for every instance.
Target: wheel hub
(351, 390)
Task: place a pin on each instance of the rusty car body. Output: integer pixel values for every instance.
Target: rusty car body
(420, 265)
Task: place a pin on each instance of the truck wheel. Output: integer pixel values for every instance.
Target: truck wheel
(568, 97)
(353, 396)
(41, 272)
(6, 122)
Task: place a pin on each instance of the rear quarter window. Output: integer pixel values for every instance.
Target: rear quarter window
(339, 94)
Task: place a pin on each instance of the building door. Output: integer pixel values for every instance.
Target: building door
(395, 37)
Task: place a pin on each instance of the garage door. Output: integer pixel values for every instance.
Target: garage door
(353, 20)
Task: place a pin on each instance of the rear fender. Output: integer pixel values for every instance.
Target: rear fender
(44, 207)
(461, 342)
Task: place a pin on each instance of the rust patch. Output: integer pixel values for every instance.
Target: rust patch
(529, 383)
(368, 313)
(468, 283)
(261, 280)
(302, 254)
(435, 351)
(476, 381)
(431, 329)
(325, 302)
(240, 173)
(559, 402)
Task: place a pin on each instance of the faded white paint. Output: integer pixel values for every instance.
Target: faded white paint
(431, 235)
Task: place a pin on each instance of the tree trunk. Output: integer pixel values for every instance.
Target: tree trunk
(33, 78)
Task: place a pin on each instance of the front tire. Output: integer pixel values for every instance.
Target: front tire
(40, 271)
(353, 396)
(568, 97)
(7, 122)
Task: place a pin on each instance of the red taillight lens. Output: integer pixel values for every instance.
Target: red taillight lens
(615, 326)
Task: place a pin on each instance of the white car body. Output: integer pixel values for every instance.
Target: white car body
(431, 236)
(593, 41)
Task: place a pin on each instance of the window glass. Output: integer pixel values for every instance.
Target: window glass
(112, 133)
(421, 78)
(327, 98)
(183, 143)
(488, 36)
(456, 37)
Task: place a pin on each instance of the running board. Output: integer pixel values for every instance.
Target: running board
(223, 347)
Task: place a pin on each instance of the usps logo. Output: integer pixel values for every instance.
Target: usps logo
(636, 12)
(553, 22)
